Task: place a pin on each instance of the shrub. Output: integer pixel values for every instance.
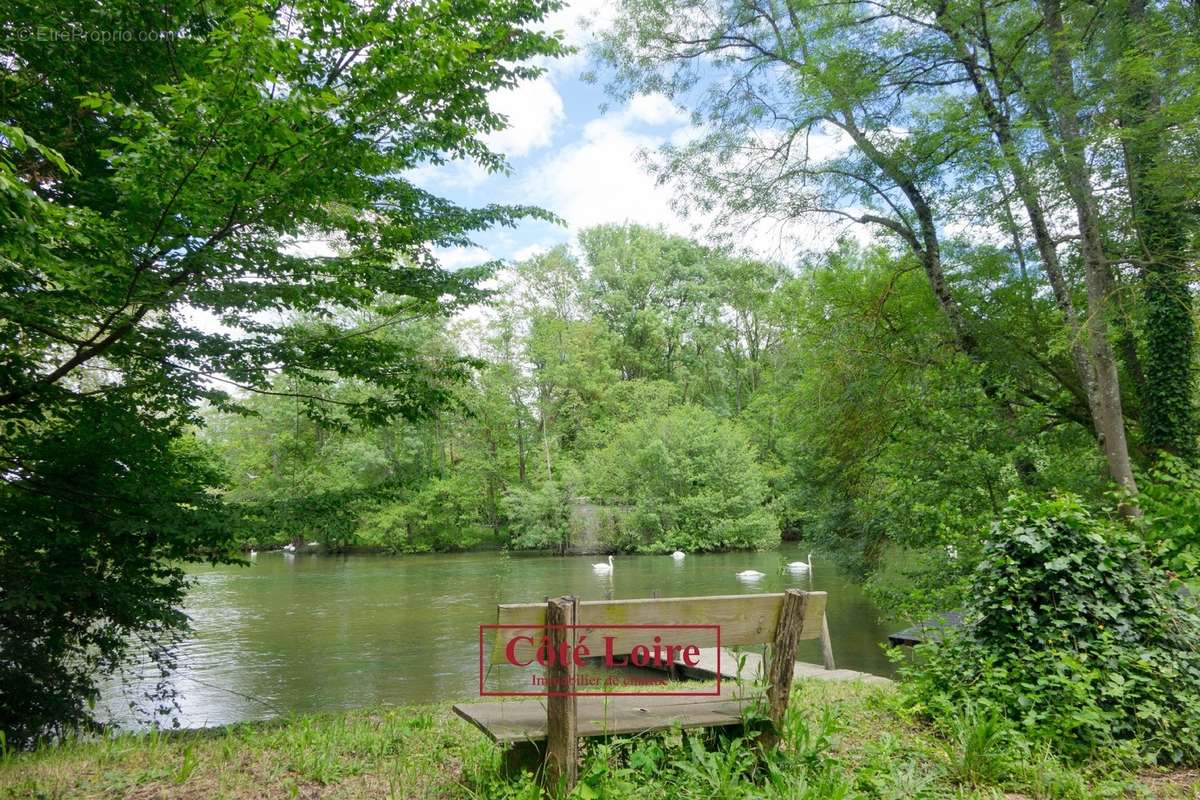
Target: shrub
(692, 480)
(539, 519)
(441, 515)
(1071, 635)
(1171, 526)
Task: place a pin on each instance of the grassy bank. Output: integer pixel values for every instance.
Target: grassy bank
(842, 741)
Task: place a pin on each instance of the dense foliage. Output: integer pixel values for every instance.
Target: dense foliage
(1052, 138)
(610, 390)
(164, 174)
(1171, 500)
(684, 396)
(1071, 634)
(690, 481)
(89, 558)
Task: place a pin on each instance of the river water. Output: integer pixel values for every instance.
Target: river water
(309, 633)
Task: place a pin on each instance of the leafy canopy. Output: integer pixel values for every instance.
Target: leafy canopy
(219, 202)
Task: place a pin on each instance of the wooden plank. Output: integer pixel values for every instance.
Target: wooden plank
(783, 658)
(743, 618)
(525, 720)
(826, 645)
(624, 720)
(562, 742)
(707, 668)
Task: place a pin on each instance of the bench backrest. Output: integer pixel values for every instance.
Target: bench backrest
(743, 619)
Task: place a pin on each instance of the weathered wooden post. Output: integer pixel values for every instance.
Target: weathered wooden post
(783, 661)
(562, 731)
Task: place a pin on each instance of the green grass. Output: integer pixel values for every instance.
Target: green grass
(840, 741)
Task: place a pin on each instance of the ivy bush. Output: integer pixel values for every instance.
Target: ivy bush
(1170, 498)
(1071, 634)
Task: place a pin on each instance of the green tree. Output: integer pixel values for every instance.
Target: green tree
(647, 287)
(540, 517)
(692, 481)
(99, 512)
(162, 256)
(916, 118)
(881, 443)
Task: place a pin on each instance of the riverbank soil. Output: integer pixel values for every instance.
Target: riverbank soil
(843, 740)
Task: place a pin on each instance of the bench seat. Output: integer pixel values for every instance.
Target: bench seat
(514, 721)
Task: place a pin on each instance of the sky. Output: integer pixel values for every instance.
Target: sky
(578, 153)
(571, 150)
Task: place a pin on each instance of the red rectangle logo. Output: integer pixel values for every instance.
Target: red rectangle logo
(609, 660)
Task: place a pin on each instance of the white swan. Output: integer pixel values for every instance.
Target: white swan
(800, 566)
(679, 555)
(254, 554)
(750, 574)
(314, 544)
(603, 568)
(289, 548)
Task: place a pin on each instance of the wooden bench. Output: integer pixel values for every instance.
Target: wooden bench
(547, 728)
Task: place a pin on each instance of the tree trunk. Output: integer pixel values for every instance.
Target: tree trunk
(924, 243)
(1160, 221)
(1001, 128)
(546, 448)
(1106, 387)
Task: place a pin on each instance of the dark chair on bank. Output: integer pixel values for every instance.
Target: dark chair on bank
(546, 729)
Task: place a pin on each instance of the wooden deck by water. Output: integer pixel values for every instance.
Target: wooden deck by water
(753, 665)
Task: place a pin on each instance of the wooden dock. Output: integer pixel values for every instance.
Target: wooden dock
(929, 630)
(752, 668)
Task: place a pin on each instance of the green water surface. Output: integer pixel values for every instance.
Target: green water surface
(309, 633)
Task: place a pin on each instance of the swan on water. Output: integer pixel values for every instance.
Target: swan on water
(314, 544)
(801, 566)
(751, 574)
(602, 567)
(679, 555)
(254, 554)
(289, 548)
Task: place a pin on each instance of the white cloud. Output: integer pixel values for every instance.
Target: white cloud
(311, 248)
(460, 175)
(534, 110)
(600, 179)
(457, 257)
(577, 19)
(578, 22)
(528, 252)
(654, 109)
